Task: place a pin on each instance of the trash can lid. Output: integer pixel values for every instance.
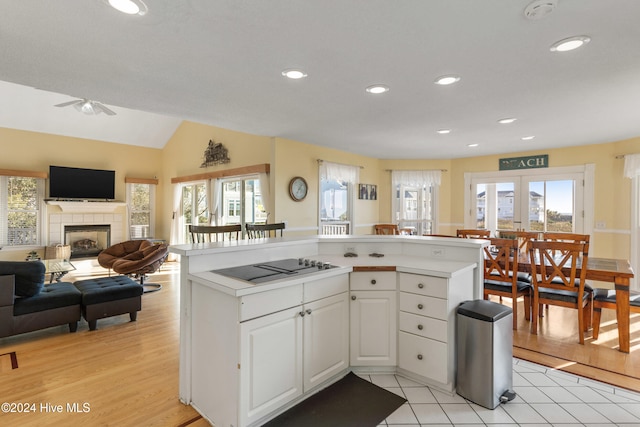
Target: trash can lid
(487, 311)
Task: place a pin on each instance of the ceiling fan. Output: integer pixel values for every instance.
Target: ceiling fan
(88, 106)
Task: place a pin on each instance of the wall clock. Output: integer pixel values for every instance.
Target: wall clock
(298, 188)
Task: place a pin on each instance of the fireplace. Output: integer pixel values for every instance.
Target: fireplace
(87, 240)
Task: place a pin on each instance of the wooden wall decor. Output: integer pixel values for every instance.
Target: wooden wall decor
(215, 154)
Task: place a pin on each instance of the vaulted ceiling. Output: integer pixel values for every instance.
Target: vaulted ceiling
(220, 62)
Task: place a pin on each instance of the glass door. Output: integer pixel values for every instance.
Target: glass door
(194, 207)
(530, 200)
(496, 205)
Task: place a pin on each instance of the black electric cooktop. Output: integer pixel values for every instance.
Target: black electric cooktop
(274, 270)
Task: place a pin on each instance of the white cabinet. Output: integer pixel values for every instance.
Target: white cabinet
(271, 363)
(287, 353)
(326, 339)
(426, 339)
(373, 319)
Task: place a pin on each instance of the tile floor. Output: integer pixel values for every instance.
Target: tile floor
(545, 397)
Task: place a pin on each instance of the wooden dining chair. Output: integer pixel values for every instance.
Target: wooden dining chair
(214, 233)
(557, 279)
(606, 298)
(523, 237)
(501, 275)
(473, 233)
(386, 229)
(260, 231)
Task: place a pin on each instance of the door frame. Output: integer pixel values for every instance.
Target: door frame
(587, 171)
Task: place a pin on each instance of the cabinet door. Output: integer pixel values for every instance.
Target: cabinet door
(326, 339)
(373, 328)
(271, 363)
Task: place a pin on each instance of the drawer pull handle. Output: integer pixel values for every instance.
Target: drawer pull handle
(301, 314)
(420, 285)
(353, 297)
(419, 357)
(308, 311)
(420, 306)
(373, 281)
(420, 327)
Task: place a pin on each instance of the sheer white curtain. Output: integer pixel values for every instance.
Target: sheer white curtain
(340, 172)
(175, 237)
(214, 190)
(631, 165)
(632, 171)
(411, 178)
(266, 193)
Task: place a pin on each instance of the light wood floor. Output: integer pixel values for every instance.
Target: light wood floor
(128, 371)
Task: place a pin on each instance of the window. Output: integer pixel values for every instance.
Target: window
(243, 195)
(337, 183)
(551, 199)
(414, 201)
(20, 213)
(141, 199)
(194, 206)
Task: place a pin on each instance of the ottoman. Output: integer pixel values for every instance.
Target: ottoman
(109, 296)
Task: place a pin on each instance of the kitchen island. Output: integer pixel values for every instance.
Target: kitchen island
(250, 350)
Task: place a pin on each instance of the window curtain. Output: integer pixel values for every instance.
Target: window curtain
(214, 190)
(336, 171)
(174, 237)
(266, 193)
(631, 165)
(415, 178)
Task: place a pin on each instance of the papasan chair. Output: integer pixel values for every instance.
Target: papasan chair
(135, 258)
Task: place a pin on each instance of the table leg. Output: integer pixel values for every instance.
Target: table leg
(622, 312)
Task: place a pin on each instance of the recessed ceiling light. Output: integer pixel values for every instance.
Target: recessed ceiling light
(571, 43)
(443, 131)
(130, 7)
(294, 74)
(377, 89)
(447, 80)
(507, 120)
(472, 145)
(527, 138)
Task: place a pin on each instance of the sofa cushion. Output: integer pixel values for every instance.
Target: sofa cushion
(29, 276)
(56, 295)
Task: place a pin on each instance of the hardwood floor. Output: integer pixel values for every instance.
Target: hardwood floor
(127, 372)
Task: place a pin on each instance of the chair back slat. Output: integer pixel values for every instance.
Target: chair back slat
(214, 233)
(473, 233)
(259, 231)
(555, 264)
(501, 260)
(386, 229)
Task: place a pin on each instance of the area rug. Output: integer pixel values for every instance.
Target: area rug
(350, 402)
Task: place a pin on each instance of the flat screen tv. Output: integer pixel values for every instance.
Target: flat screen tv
(79, 183)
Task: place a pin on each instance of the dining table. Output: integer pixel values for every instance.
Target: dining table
(616, 271)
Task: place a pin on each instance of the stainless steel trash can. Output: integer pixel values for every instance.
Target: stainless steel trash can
(484, 343)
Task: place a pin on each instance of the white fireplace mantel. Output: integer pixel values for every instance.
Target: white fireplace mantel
(86, 206)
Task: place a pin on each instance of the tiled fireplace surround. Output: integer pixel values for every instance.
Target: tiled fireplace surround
(57, 222)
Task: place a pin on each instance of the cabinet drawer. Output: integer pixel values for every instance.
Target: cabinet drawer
(373, 280)
(256, 305)
(323, 288)
(423, 356)
(424, 285)
(424, 326)
(423, 305)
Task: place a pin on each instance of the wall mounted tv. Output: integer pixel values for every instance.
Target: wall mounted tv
(78, 183)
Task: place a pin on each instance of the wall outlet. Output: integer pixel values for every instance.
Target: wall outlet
(601, 225)
(350, 249)
(438, 252)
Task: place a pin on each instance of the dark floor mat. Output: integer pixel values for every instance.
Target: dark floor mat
(350, 402)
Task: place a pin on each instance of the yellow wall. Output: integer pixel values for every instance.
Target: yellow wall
(611, 193)
(183, 154)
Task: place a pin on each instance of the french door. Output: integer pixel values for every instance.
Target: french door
(554, 199)
(242, 202)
